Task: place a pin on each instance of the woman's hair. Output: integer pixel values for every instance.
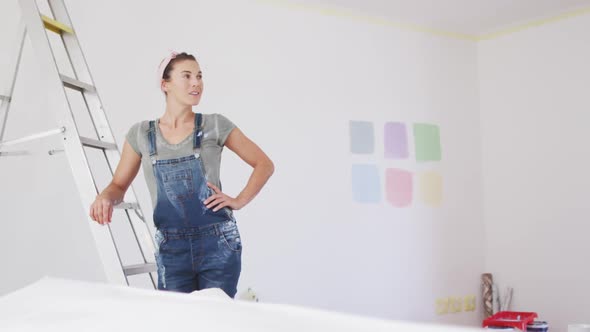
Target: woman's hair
(179, 57)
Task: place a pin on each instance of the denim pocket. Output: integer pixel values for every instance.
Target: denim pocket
(160, 240)
(232, 239)
(179, 184)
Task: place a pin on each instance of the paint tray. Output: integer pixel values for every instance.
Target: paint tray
(516, 319)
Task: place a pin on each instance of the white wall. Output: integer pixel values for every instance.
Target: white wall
(292, 81)
(534, 115)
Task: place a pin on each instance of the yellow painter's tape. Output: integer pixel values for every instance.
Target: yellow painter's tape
(331, 11)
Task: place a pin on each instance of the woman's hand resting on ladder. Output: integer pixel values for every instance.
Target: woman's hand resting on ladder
(101, 210)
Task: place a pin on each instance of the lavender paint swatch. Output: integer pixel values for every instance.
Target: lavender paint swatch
(396, 140)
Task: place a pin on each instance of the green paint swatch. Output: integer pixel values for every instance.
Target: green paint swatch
(427, 142)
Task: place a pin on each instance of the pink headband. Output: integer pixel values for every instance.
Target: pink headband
(163, 65)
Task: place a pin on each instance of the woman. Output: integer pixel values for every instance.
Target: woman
(197, 237)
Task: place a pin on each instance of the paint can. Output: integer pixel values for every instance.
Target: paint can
(537, 326)
(501, 328)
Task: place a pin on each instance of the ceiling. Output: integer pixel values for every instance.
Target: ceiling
(473, 17)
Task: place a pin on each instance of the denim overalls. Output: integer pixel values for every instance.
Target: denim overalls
(197, 248)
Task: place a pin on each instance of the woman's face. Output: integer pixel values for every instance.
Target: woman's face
(185, 84)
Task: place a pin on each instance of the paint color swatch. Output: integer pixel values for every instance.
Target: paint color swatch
(362, 137)
(396, 140)
(430, 188)
(366, 186)
(427, 142)
(398, 187)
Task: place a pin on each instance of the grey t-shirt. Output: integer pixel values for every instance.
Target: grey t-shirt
(216, 128)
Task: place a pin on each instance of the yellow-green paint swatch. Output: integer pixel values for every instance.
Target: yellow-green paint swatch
(430, 188)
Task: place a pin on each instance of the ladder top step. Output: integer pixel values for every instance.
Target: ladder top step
(55, 26)
(73, 83)
(139, 269)
(94, 143)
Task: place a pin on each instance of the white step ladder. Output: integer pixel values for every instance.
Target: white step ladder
(36, 26)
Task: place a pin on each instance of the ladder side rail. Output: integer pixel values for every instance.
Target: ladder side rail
(57, 100)
(13, 70)
(142, 230)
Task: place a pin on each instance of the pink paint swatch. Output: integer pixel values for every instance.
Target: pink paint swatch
(398, 187)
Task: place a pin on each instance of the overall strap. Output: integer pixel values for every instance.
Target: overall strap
(198, 131)
(152, 140)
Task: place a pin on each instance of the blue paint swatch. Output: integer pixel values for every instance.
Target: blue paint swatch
(366, 185)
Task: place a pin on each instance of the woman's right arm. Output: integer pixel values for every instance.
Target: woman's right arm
(101, 210)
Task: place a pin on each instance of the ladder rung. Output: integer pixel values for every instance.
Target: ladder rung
(94, 143)
(127, 206)
(33, 137)
(55, 26)
(13, 153)
(5, 98)
(73, 83)
(139, 269)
